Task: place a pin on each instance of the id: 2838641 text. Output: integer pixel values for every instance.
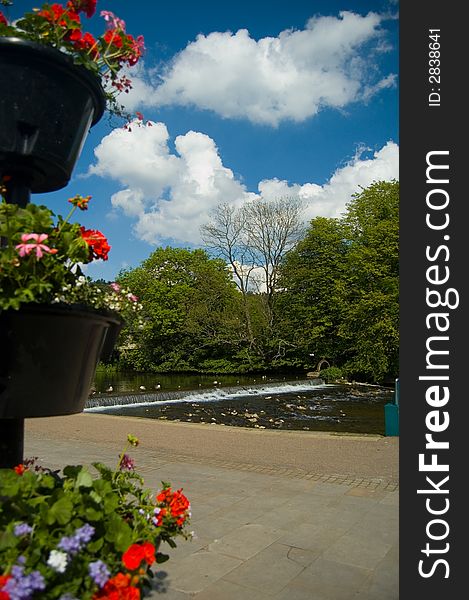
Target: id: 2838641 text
(434, 67)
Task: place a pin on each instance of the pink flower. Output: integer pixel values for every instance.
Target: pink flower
(26, 248)
(115, 286)
(126, 463)
(137, 49)
(112, 21)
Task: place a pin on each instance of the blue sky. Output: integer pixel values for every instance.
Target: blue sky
(247, 99)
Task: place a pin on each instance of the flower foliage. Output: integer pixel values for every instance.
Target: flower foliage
(74, 535)
(41, 260)
(60, 26)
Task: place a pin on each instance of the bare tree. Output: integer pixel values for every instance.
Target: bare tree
(253, 239)
(225, 237)
(272, 228)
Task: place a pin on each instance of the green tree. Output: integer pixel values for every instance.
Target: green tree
(340, 289)
(310, 301)
(370, 324)
(188, 302)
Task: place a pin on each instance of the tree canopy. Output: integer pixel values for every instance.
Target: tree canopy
(329, 291)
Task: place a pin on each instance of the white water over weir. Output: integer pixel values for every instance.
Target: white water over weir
(97, 403)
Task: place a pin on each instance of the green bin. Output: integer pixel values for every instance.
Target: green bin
(391, 414)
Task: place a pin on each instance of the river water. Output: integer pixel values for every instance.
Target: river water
(262, 402)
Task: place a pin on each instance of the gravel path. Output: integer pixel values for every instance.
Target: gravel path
(350, 456)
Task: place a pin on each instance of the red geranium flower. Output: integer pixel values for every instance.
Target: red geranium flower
(86, 6)
(118, 588)
(56, 13)
(136, 553)
(20, 469)
(148, 552)
(3, 580)
(176, 501)
(113, 36)
(164, 495)
(133, 557)
(179, 504)
(97, 242)
(52, 13)
(87, 42)
(73, 36)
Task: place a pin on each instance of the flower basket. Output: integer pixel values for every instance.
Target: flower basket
(85, 534)
(48, 358)
(47, 106)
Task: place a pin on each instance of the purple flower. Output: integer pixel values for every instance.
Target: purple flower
(99, 572)
(126, 463)
(21, 586)
(73, 544)
(85, 533)
(22, 529)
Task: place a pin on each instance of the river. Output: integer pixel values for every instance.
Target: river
(288, 402)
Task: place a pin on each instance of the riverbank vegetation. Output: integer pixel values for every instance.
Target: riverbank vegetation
(267, 293)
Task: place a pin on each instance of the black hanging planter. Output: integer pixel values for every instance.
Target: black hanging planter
(48, 354)
(48, 358)
(47, 105)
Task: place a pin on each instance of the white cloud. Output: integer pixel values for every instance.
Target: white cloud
(169, 195)
(330, 200)
(330, 63)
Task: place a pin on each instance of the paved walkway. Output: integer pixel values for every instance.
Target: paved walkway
(277, 515)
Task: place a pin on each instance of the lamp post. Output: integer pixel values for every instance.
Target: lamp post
(46, 111)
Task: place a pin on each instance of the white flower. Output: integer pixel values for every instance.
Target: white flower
(58, 561)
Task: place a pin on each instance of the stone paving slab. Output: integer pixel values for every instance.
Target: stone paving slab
(262, 533)
(271, 569)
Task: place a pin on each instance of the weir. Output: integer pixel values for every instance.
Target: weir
(202, 395)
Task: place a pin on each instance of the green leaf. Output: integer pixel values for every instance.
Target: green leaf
(92, 514)
(84, 479)
(9, 483)
(96, 497)
(161, 558)
(48, 482)
(119, 533)
(72, 471)
(95, 546)
(61, 511)
(7, 540)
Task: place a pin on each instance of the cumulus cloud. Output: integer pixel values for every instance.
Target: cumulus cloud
(330, 63)
(170, 194)
(330, 199)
